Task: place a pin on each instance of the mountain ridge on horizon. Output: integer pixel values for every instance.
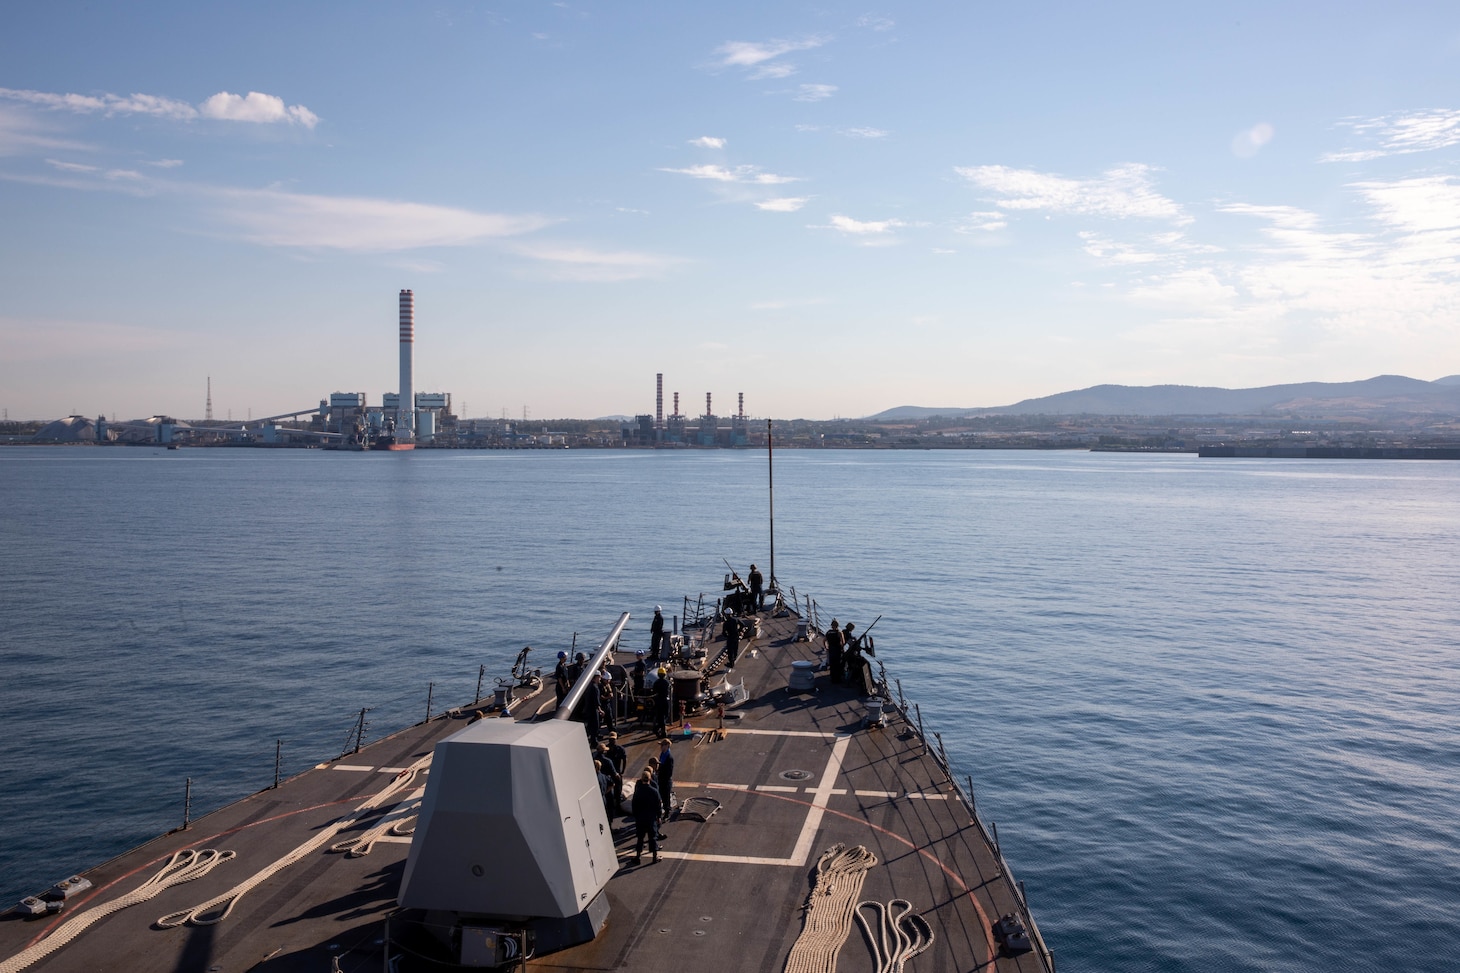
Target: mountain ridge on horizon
(1384, 392)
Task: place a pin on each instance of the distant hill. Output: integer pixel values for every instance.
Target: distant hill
(1384, 393)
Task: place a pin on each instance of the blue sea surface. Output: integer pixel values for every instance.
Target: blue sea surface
(1211, 704)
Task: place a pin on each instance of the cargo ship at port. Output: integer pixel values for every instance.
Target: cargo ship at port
(814, 826)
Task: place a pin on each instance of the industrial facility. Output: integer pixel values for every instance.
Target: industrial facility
(406, 419)
(680, 430)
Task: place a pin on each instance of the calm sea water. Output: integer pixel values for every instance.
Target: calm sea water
(1210, 704)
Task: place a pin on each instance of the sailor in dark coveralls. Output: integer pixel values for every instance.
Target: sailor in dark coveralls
(638, 672)
(617, 755)
(656, 633)
(732, 640)
(661, 702)
(834, 657)
(647, 808)
(666, 775)
(561, 682)
(852, 655)
(757, 589)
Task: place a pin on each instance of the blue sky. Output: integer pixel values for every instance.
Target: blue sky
(833, 209)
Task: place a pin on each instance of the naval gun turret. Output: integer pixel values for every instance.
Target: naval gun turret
(512, 847)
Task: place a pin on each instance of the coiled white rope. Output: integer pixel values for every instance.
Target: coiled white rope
(900, 935)
(840, 873)
(184, 866)
(216, 909)
(398, 825)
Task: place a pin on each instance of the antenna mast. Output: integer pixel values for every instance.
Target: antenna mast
(771, 481)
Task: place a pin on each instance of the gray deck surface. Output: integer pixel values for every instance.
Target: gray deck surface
(728, 894)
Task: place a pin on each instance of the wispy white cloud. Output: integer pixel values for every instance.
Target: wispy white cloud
(736, 174)
(1124, 192)
(864, 228)
(572, 262)
(1400, 134)
(875, 22)
(787, 304)
(745, 54)
(1116, 252)
(778, 69)
(1393, 270)
(252, 107)
(110, 104)
(50, 339)
(708, 142)
(359, 224)
(981, 222)
(21, 133)
(166, 163)
(863, 132)
(783, 204)
(815, 92)
(1249, 142)
(83, 169)
(71, 166)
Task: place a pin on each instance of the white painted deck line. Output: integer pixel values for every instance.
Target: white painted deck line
(801, 853)
(875, 793)
(781, 733)
(927, 797)
(362, 769)
(820, 796)
(778, 788)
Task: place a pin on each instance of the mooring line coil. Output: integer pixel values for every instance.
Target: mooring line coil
(216, 909)
(899, 934)
(183, 866)
(840, 873)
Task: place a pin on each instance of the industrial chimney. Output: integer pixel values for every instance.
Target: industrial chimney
(742, 405)
(708, 410)
(659, 401)
(405, 415)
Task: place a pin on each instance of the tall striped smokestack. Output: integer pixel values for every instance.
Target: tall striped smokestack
(405, 416)
(742, 405)
(676, 404)
(659, 401)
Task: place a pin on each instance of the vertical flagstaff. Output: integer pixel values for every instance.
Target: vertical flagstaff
(771, 479)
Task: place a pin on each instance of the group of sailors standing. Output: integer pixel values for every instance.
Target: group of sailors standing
(652, 796)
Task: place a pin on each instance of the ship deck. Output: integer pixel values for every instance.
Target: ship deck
(794, 774)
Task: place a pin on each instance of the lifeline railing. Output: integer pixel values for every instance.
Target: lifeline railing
(912, 715)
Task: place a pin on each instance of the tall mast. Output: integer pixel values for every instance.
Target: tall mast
(771, 478)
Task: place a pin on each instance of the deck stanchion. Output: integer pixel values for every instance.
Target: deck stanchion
(278, 758)
(942, 754)
(187, 803)
(972, 801)
(430, 691)
(994, 825)
(901, 699)
(360, 729)
(921, 735)
(481, 674)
